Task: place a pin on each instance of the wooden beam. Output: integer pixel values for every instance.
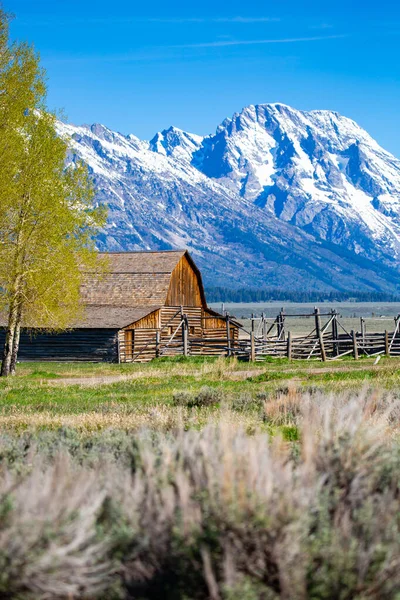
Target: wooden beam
(228, 334)
(289, 345)
(319, 333)
(355, 347)
(387, 349)
(335, 334)
(185, 339)
(252, 347)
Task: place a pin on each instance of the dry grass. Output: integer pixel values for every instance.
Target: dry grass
(83, 397)
(127, 418)
(212, 512)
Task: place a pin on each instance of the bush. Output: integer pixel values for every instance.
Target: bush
(207, 396)
(212, 513)
(182, 399)
(246, 402)
(49, 543)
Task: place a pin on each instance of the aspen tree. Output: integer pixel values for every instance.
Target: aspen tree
(47, 216)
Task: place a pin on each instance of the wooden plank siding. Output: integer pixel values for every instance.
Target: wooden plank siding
(151, 321)
(185, 287)
(92, 345)
(141, 336)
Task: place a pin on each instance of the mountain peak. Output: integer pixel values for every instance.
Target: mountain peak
(175, 142)
(276, 195)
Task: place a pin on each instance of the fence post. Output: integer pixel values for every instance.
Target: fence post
(264, 326)
(228, 333)
(289, 345)
(278, 326)
(335, 333)
(157, 344)
(355, 347)
(185, 340)
(281, 324)
(252, 347)
(387, 349)
(319, 334)
(362, 320)
(184, 325)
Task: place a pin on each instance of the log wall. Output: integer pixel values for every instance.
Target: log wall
(97, 345)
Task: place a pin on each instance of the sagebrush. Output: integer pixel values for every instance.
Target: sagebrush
(211, 513)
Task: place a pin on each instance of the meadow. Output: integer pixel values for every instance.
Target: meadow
(160, 394)
(200, 478)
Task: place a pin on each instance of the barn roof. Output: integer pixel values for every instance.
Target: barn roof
(102, 317)
(157, 263)
(135, 278)
(134, 285)
(111, 317)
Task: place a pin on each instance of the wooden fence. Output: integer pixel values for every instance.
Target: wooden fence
(271, 337)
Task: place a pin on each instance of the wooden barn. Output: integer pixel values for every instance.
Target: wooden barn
(147, 304)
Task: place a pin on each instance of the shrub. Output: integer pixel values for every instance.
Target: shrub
(182, 399)
(207, 396)
(49, 543)
(246, 402)
(213, 513)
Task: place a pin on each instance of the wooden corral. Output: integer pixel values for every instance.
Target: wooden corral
(143, 305)
(325, 341)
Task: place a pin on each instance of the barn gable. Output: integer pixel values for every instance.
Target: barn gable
(186, 286)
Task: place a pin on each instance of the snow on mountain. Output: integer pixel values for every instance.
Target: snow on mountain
(177, 143)
(275, 198)
(317, 170)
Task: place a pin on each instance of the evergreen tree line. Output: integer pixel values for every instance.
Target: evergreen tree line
(223, 294)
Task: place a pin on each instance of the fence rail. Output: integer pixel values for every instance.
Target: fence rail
(266, 337)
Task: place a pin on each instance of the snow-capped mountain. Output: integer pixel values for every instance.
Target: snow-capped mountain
(317, 170)
(275, 198)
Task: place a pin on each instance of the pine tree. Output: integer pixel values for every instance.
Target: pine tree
(47, 218)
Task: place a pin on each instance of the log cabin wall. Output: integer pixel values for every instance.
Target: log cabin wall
(141, 336)
(170, 321)
(214, 326)
(137, 345)
(92, 345)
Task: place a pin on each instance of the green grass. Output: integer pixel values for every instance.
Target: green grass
(41, 392)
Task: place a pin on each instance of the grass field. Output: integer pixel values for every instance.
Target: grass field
(97, 396)
(201, 479)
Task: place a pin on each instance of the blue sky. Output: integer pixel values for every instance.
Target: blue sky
(141, 67)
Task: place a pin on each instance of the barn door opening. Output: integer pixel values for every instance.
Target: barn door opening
(129, 341)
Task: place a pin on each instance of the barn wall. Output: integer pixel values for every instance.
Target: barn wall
(137, 345)
(151, 321)
(145, 343)
(99, 345)
(215, 327)
(211, 321)
(185, 286)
